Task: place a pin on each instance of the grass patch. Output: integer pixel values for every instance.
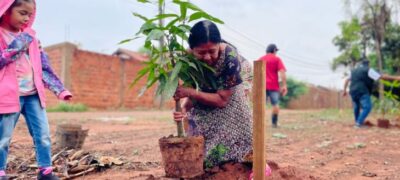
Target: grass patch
(331, 115)
(64, 107)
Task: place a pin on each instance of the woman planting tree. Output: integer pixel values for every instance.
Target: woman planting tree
(221, 114)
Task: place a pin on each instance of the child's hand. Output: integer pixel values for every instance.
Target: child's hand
(68, 98)
(65, 96)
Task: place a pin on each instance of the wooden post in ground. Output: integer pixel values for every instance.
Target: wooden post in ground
(259, 129)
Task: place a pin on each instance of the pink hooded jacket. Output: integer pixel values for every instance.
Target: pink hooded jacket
(43, 74)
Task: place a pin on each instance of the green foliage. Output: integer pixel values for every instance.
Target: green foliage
(216, 155)
(389, 104)
(374, 32)
(64, 107)
(349, 43)
(391, 49)
(295, 89)
(171, 63)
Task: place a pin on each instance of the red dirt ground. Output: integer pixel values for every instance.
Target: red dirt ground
(307, 145)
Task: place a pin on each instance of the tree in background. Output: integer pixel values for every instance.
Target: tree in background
(349, 43)
(371, 32)
(295, 89)
(391, 49)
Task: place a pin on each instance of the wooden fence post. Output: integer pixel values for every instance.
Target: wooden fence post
(259, 129)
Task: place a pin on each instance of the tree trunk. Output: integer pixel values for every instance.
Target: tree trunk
(181, 132)
(380, 64)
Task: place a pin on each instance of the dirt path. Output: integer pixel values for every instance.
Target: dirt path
(320, 143)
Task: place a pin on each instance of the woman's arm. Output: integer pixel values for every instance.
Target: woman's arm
(219, 99)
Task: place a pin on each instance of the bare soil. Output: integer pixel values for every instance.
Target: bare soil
(307, 145)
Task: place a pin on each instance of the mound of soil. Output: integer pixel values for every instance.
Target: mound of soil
(369, 123)
(241, 171)
(291, 173)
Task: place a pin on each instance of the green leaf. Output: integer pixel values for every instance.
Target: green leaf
(196, 16)
(199, 15)
(192, 6)
(155, 34)
(140, 74)
(151, 82)
(170, 24)
(151, 77)
(176, 70)
(174, 45)
(128, 40)
(191, 64)
(183, 9)
(195, 81)
(164, 16)
(162, 83)
(184, 28)
(181, 32)
(170, 88)
(148, 45)
(143, 1)
(140, 16)
(146, 28)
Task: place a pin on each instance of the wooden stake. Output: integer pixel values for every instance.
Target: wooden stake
(259, 120)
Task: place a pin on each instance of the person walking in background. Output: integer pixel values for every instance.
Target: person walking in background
(361, 82)
(275, 70)
(24, 73)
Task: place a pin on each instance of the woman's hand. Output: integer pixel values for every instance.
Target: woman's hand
(182, 92)
(179, 116)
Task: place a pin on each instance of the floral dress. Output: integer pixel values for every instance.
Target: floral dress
(227, 131)
(246, 73)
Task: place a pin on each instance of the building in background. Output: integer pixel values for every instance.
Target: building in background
(99, 80)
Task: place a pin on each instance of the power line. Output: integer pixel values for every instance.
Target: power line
(289, 57)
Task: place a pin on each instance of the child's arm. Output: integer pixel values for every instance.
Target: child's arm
(51, 81)
(19, 45)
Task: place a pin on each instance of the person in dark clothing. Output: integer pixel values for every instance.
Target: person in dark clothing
(361, 83)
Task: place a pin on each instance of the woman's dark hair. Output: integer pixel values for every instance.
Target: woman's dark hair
(204, 32)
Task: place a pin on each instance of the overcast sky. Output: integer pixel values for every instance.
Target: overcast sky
(302, 29)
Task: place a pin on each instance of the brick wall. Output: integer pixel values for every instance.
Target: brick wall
(319, 98)
(98, 80)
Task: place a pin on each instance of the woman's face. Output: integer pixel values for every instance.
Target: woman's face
(207, 53)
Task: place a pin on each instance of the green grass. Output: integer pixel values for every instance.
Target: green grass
(330, 115)
(64, 107)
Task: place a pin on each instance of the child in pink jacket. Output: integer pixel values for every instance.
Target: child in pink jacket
(24, 73)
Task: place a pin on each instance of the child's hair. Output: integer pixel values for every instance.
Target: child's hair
(17, 3)
(204, 32)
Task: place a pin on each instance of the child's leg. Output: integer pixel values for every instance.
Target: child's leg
(38, 126)
(7, 125)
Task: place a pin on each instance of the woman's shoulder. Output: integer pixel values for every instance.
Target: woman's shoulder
(229, 51)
